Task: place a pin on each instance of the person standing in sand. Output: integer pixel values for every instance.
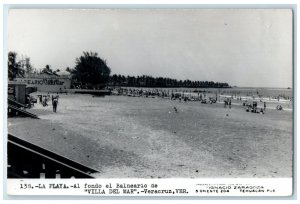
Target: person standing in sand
(54, 104)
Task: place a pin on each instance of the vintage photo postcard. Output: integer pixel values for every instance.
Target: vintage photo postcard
(150, 102)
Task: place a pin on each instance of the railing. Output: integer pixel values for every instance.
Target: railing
(26, 160)
(15, 111)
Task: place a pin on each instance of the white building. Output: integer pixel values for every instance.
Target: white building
(47, 82)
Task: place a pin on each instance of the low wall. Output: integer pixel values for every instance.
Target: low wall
(89, 91)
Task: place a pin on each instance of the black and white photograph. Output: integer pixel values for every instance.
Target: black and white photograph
(150, 94)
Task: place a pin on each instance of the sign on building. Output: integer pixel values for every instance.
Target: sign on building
(47, 83)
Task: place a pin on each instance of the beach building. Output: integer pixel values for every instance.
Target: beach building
(47, 82)
(17, 91)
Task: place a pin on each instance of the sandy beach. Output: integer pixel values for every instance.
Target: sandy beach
(131, 137)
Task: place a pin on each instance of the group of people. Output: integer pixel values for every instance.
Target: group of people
(44, 99)
(180, 95)
(254, 109)
(29, 101)
(227, 102)
(187, 95)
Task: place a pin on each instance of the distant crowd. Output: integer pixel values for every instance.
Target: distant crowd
(185, 96)
(167, 94)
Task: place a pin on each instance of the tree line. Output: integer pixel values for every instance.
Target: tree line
(149, 81)
(91, 71)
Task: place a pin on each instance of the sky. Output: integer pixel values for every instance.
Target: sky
(243, 47)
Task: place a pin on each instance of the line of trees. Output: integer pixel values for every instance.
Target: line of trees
(149, 81)
(91, 71)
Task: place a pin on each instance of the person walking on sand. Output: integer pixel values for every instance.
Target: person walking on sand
(54, 104)
(40, 99)
(45, 101)
(265, 106)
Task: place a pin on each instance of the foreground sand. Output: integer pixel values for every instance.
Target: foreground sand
(144, 137)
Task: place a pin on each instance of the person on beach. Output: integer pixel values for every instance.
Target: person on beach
(45, 101)
(265, 106)
(247, 109)
(54, 104)
(254, 105)
(40, 99)
(262, 111)
(28, 101)
(279, 107)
